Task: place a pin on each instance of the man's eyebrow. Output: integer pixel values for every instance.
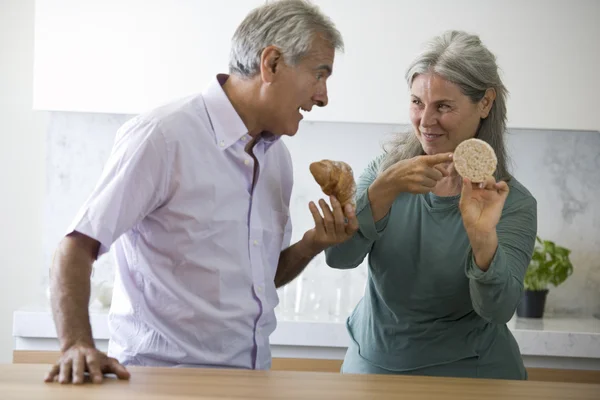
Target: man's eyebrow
(325, 67)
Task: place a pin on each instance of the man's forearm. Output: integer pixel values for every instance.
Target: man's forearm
(70, 293)
(292, 262)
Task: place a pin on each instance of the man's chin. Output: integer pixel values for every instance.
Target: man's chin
(290, 130)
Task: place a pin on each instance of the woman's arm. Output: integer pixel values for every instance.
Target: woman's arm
(376, 192)
(352, 252)
(499, 258)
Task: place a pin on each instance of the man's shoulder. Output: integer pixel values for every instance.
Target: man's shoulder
(175, 109)
(174, 118)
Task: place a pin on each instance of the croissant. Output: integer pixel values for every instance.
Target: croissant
(335, 178)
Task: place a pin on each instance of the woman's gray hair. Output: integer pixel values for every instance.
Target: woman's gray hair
(290, 25)
(462, 59)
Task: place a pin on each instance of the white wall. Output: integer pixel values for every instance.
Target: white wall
(22, 171)
(92, 56)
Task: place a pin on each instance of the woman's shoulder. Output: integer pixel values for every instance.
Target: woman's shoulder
(519, 196)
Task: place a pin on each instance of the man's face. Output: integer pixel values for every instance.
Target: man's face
(296, 89)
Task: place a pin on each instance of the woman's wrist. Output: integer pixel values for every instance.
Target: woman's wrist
(484, 246)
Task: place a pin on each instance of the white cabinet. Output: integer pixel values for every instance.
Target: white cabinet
(125, 56)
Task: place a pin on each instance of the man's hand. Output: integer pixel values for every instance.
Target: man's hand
(79, 359)
(333, 227)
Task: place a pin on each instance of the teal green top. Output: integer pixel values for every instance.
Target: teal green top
(426, 302)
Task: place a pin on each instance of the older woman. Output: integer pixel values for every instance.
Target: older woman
(446, 257)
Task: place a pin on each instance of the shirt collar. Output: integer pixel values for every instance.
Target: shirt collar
(227, 124)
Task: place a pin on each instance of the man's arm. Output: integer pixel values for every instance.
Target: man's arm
(335, 226)
(135, 181)
(70, 289)
(70, 295)
(292, 262)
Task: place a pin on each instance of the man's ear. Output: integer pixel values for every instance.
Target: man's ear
(485, 104)
(270, 63)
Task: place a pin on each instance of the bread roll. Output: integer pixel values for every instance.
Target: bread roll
(335, 178)
(475, 160)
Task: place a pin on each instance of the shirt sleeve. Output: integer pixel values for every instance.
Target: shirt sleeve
(133, 184)
(287, 234)
(496, 292)
(352, 252)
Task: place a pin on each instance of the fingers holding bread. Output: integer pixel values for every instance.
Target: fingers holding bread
(336, 179)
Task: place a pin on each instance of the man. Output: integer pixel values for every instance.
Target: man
(195, 199)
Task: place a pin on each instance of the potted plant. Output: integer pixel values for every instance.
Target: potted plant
(550, 264)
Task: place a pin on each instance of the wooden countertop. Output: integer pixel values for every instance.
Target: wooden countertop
(25, 381)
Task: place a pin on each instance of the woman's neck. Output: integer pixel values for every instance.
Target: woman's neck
(450, 185)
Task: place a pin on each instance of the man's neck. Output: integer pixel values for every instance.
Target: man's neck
(243, 95)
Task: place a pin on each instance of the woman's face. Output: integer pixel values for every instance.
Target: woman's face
(442, 116)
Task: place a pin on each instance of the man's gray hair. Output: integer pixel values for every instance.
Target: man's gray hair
(291, 25)
(462, 59)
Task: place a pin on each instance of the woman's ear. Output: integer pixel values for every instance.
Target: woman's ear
(270, 61)
(486, 103)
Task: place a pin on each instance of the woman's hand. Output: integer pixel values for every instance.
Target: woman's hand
(481, 204)
(419, 174)
(481, 208)
(416, 175)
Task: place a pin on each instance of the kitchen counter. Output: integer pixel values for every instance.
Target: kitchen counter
(25, 382)
(553, 342)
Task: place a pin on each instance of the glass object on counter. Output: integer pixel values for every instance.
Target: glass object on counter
(346, 292)
(322, 293)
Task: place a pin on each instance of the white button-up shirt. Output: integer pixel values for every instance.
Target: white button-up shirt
(196, 241)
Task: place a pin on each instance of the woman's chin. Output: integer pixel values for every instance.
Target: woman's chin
(433, 150)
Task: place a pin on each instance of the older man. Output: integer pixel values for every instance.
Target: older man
(195, 200)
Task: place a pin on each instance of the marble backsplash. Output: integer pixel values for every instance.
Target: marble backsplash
(560, 168)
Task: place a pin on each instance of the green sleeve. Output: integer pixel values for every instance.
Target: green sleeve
(352, 252)
(496, 293)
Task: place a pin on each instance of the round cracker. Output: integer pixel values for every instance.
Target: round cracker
(475, 160)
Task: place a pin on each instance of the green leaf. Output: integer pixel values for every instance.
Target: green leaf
(550, 264)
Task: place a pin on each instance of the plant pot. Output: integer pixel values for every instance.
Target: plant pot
(532, 304)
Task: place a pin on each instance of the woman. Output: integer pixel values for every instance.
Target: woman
(446, 257)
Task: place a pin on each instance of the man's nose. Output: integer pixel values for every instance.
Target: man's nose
(320, 98)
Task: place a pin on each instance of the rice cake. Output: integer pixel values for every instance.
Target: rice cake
(475, 160)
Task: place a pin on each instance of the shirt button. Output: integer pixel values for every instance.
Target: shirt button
(259, 289)
(222, 144)
(244, 138)
(255, 243)
(246, 161)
